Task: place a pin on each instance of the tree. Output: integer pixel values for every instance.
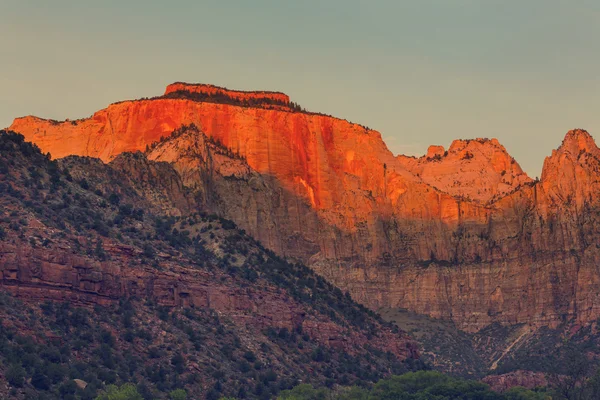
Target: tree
(304, 392)
(178, 394)
(127, 391)
(114, 199)
(149, 251)
(577, 369)
(15, 375)
(99, 250)
(520, 393)
(354, 393)
(69, 387)
(40, 381)
(178, 362)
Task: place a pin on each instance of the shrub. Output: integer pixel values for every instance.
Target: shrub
(15, 375)
(178, 394)
(125, 392)
(149, 251)
(114, 199)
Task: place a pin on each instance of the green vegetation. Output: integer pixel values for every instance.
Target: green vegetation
(422, 385)
(470, 355)
(567, 348)
(223, 98)
(443, 345)
(125, 392)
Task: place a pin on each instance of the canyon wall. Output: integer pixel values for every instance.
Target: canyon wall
(463, 235)
(89, 233)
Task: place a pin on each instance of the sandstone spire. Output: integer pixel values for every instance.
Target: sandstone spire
(570, 174)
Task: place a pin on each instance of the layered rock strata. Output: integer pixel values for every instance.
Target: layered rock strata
(463, 235)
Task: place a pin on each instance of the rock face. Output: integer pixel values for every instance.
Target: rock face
(526, 379)
(479, 169)
(43, 252)
(462, 235)
(77, 234)
(39, 275)
(570, 174)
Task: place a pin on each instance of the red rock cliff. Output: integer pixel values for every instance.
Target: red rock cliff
(479, 169)
(320, 158)
(464, 235)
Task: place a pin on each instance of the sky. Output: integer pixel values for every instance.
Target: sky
(421, 72)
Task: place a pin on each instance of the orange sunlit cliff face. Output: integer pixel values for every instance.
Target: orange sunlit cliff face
(462, 234)
(318, 157)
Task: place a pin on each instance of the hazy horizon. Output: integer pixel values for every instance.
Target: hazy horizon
(420, 73)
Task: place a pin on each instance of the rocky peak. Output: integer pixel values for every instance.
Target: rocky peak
(433, 151)
(577, 140)
(479, 169)
(570, 174)
(479, 143)
(190, 151)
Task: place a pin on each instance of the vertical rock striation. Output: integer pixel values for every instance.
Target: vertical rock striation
(462, 234)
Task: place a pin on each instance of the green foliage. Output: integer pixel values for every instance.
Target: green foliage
(125, 392)
(178, 363)
(353, 393)
(15, 375)
(520, 393)
(99, 250)
(178, 394)
(84, 184)
(223, 98)
(149, 251)
(304, 392)
(114, 199)
(421, 385)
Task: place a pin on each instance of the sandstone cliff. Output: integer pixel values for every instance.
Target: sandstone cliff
(465, 236)
(479, 169)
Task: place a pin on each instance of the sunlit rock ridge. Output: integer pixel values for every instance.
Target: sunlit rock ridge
(462, 234)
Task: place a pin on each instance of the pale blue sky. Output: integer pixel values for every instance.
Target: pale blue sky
(421, 72)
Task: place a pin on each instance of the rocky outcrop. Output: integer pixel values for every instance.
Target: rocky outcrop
(570, 175)
(40, 274)
(100, 237)
(483, 259)
(157, 186)
(463, 235)
(526, 379)
(479, 169)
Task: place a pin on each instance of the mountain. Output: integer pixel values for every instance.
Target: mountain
(464, 235)
(111, 272)
(479, 169)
